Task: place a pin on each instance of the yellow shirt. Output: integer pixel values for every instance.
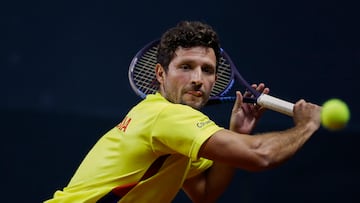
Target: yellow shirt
(152, 128)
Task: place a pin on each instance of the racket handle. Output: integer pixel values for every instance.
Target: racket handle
(276, 104)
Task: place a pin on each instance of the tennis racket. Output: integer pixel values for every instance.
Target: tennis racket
(143, 81)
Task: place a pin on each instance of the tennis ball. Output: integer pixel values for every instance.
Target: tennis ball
(335, 114)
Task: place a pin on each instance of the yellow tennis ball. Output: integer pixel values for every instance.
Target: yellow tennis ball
(335, 114)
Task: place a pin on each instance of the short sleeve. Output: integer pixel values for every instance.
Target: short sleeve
(182, 129)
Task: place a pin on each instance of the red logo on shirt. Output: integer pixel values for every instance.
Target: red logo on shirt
(124, 124)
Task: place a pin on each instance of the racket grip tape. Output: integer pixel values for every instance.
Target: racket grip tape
(276, 104)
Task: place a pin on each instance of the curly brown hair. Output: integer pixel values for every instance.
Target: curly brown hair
(186, 34)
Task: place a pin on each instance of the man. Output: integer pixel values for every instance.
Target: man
(165, 143)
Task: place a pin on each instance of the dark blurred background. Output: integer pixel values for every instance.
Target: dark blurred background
(64, 83)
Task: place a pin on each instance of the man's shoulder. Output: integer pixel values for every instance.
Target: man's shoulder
(157, 100)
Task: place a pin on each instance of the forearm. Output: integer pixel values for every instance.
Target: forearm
(276, 147)
(257, 152)
(208, 186)
(218, 178)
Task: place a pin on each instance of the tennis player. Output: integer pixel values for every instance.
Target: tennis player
(165, 143)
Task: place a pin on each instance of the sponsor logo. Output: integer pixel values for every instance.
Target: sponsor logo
(201, 124)
(124, 124)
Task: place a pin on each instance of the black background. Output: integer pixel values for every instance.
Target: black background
(64, 80)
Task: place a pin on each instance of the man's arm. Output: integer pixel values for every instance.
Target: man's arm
(253, 153)
(208, 186)
(258, 152)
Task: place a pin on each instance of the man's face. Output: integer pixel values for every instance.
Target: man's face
(190, 77)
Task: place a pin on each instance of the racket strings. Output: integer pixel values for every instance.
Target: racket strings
(224, 78)
(144, 78)
(144, 74)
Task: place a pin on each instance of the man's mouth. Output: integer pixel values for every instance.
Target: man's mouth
(196, 93)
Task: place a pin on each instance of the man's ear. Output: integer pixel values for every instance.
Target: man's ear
(160, 73)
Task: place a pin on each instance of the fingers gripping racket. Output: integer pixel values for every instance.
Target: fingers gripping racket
(143, 81)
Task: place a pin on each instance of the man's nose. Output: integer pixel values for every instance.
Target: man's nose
(197, 76)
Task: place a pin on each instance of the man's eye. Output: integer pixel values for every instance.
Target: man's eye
(208, 69)
(185, 67)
